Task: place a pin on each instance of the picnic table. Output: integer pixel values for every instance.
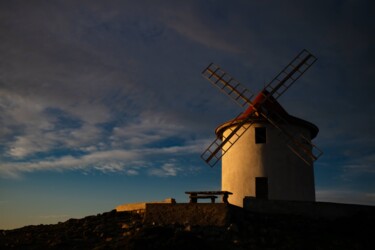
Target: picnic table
(195, 195)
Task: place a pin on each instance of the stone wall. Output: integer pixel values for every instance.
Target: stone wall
(203, 214)
(140, 206)
(310, 209)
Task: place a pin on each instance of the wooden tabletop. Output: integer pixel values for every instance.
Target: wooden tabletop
(208, 192)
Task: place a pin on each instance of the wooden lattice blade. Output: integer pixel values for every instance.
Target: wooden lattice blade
(220, 146)
(297, 142)
(290, 74)
(227, 84)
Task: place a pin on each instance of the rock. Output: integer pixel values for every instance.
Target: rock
(233, 228)
(127, 233)
(187, 228)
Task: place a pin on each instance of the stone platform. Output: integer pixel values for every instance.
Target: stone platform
(141, 206)
(309, 209)
(202, 214)
(168, 212)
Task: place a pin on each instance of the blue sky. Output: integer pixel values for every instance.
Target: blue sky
(103, 102)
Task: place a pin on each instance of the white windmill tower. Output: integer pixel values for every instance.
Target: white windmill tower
(265, 152)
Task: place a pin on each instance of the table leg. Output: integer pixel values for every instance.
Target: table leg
(225, 198)
(193, 199)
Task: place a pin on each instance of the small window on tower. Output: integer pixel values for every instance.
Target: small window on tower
(260, 135)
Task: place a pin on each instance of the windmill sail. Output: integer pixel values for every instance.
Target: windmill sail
(297, 142)
(242, 96)
(220, 146)
(228, 84)
(294, 70)
(301, 146)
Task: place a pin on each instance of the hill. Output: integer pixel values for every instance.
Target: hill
(254, 230)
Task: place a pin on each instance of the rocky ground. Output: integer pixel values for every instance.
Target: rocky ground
(126, 230)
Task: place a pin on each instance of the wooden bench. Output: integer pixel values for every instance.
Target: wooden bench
(195, 195)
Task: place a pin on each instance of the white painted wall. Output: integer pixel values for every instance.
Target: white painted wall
(289, 178)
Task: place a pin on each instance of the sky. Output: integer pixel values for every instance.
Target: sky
(103, 102)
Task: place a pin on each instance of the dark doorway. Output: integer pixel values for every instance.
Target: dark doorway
(261, 187)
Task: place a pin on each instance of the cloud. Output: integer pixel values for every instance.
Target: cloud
(191, 22)
(148, 127)
(108, 161)
(128, 162)
(30, 129)
(167, 169)
(358, 168)
(86, 136)
(80, 95)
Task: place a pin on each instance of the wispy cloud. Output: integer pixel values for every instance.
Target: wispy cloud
(117, 148)
(167, 169)
(362, 165)
(78, 104)
(194, 22)
(128, 162)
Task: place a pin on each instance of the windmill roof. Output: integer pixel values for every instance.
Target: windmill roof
(274, 110)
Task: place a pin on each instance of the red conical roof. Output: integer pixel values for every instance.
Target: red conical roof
(272, 106)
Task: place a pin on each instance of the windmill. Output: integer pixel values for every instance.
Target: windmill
(264, 110)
